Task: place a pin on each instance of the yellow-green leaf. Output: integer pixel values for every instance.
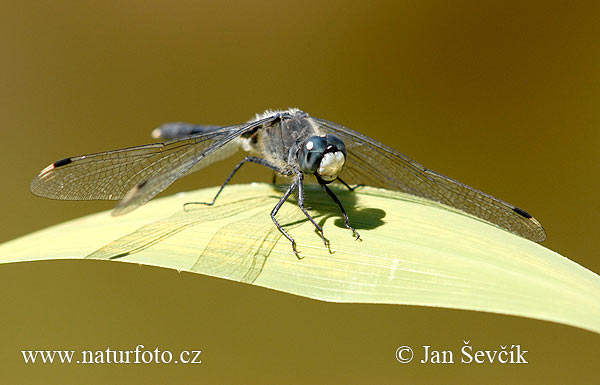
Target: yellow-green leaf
(412, 251)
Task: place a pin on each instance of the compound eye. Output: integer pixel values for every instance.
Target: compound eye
(311, 153)
(337, 143)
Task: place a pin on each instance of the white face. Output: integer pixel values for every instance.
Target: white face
(331, 165)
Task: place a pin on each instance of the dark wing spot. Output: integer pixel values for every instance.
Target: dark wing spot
(62, 162)
(142, 184)
(522, 213)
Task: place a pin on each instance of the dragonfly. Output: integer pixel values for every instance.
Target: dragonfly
(290, 142)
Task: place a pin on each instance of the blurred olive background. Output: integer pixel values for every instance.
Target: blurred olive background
(503, 96)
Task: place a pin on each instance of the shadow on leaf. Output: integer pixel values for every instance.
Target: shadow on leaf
(239, 249)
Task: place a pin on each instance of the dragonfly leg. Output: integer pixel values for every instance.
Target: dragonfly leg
(337, 201)
(300, 181)
(235, 169)
(348, 186)
(287, 194)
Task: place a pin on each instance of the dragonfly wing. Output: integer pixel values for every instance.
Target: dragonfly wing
(180, 130)
(134, 174)
(373, 163)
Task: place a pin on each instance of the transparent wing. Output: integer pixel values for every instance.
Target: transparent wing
(373, 163)
(179, 130)
(135, 174)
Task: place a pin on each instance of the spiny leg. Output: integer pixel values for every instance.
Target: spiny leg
(337, 201)
(235, 169)
(300, 181)
(348, 186)
(285, 196)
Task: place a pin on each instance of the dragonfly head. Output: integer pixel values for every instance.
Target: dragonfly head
(323, 156)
